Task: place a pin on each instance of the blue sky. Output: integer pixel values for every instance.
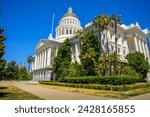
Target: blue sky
(28, 21)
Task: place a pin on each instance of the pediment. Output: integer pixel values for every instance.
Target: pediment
(42, 42)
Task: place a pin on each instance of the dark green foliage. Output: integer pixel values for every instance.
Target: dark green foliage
(100, 86)
(12, 71)
(138, 63)
(128, 70)
(2, 52)
(74, 70)
(86, 86)
(2, 46)
(23, 72)
(89, 41)
(63, 60)
(114, 80)
(89, 53)
(2, 69)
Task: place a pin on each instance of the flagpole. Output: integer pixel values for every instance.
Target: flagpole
(52, 23)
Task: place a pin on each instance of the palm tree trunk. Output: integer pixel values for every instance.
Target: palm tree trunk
(100, 41)
(115, 63)
(28, 68)
(108, 70)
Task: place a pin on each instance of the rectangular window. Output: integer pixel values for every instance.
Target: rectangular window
(118, 50)
(124, 52)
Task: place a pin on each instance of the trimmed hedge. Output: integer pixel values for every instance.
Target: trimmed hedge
(86, 86)
(114, 80)
(99, 86)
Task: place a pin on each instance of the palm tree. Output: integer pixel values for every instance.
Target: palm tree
(117, 20)
(106, 23)
(102, 64)
(29, 60)
(80, 35)
(98, 23)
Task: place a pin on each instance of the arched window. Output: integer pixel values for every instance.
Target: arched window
(70, 31)
(62, 31)
(67, 31)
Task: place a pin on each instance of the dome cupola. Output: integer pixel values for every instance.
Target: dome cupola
(68, 25)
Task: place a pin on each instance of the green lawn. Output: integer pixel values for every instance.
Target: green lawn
(8, 92)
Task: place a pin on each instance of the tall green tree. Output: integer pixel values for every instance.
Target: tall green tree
(117, 20)
(138, 62)
(89, 53)
(29, 60)
(23, 73)
(12, 70)
(63, 59)
(2, 52)
(98, 23)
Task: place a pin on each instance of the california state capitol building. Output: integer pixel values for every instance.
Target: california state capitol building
(130, 39)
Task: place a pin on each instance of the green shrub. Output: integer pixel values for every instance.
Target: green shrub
(86, 86)
(28, 77)
(114, 80)
(100, 86)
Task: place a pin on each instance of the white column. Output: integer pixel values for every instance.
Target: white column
(72, 31)
(35, 62)
(32, 65)
(40, 59)
(56, 51)
(60, 31)
(135, 41)
(122, 54)
(143, 48)
(45, 58)
(76, 52)
(147, 51)
(64, 31)
(140, 49)
(49, 56)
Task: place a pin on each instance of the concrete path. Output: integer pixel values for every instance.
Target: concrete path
(52, 94)
(141, 97)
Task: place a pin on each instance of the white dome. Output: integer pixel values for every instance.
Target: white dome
(68, 25)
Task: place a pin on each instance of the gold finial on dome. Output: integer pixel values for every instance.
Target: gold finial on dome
(69, 10)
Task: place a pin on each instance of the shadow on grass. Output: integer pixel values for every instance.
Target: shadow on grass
(3, 87)
(3, 94)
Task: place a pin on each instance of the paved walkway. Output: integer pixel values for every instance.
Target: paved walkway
(141, 97)
(52, 94)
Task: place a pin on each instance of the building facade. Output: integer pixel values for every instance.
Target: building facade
(130, 39)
